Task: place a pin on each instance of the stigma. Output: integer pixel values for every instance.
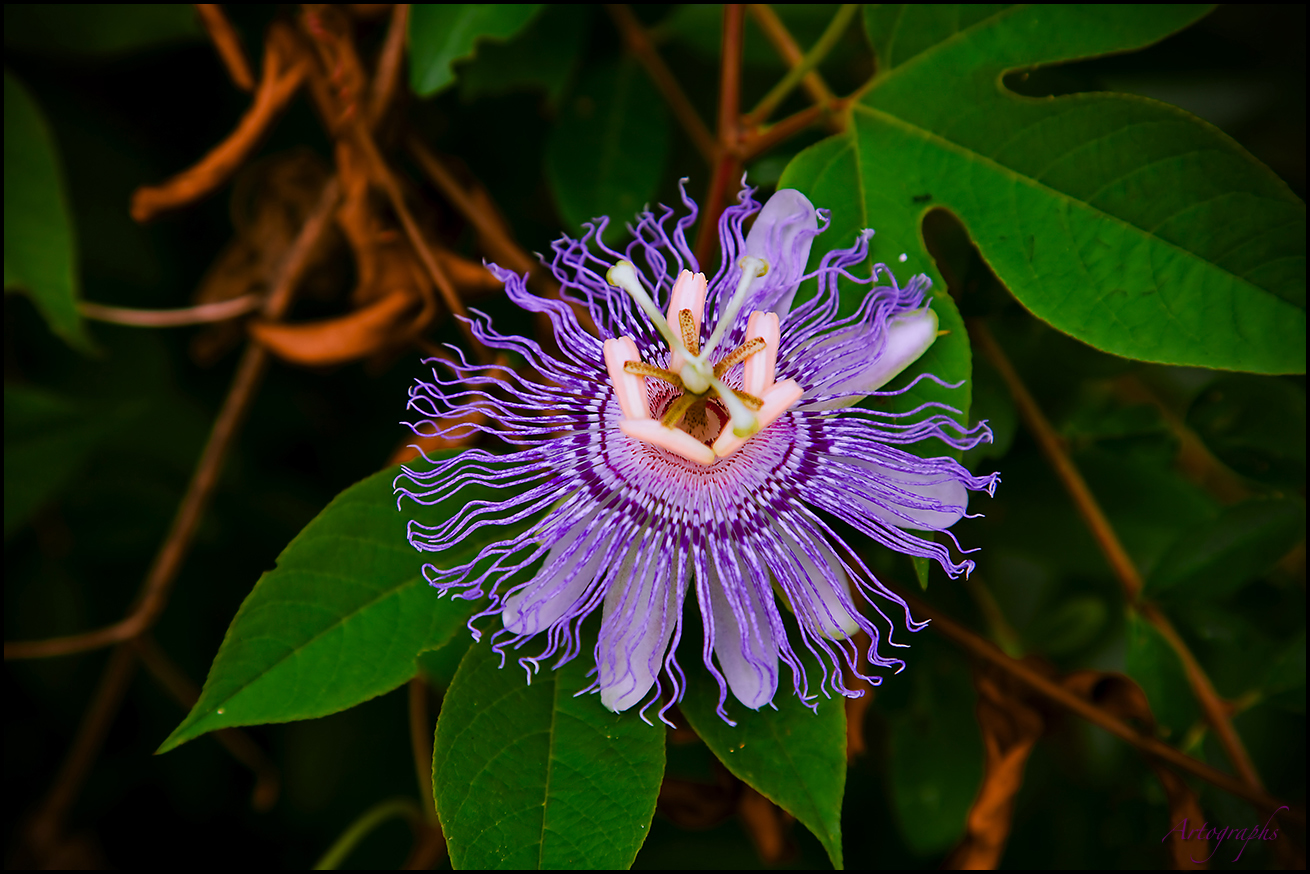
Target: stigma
(705, 419)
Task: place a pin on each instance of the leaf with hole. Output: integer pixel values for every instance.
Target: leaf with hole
(1127, 223)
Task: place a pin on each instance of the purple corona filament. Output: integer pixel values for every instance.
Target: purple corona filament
(706, 440)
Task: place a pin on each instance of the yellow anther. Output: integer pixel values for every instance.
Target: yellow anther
(641, 368)
(687, 322)
(741, 353)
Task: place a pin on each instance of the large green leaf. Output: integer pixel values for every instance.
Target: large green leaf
(537, 776)
(542, 56)
(40, 250)
(1219, 557)
(830, 174)
(1124, 222)
(442, 33)
(606, 155)
(337, 622)
(793, 756)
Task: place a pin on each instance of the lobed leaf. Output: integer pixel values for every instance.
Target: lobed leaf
(793, 756)
(442, 34)
(536, 776)
(337, 622)
(1124, 222)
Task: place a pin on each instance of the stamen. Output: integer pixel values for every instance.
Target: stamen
(624, 275)
(641, 368)
(751, 269)
(744, 423)
(741, 353)
(687, 322)
(752, 403)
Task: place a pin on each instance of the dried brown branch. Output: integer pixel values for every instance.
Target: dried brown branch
(44, 830)
(154, 593)
(777, 34)
(638, 42)
(727, 164)
(390, 63)
(283, 74)
(1010, 727)
(757, 142)
(834, 32)
(1067, 699)
(1121, 563)
(228, 44)
(234, 740)
(196, 315)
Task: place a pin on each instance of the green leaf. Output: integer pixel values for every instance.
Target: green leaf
(921, 568)
(337, 622)
(537, 776)
(439, 665)
(1124, 222)
(48, 441)
(1255, 426)
(1156, 668)
(1217, 558)
(442, 34)
(40, 249)
(98, 29)
(793, 756)
(935, 751)
(542, 56)
(829, 174)
(607, 153)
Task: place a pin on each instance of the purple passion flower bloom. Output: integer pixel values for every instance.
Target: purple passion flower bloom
(706, 440)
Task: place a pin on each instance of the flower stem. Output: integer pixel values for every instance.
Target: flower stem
(1121, 563)
(392, 808)
(638, 42)
(836, 28)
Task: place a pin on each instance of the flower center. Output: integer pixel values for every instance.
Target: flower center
(705, 419)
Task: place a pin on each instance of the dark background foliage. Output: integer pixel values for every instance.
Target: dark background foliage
(121, 428)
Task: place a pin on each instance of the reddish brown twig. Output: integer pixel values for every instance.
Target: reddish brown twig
(47, 824)
(491, 229)
(727, 162)
(832, 34)
(777, 34)
(1057, 693)
(389, 65)
(234, 740)
(638, 42)
(1121, 563)
(154, 593)
(196, 315)
(228, 44)
(282, 76)
(757, 142)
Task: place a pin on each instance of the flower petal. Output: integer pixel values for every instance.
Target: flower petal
(743, 634)
(642, 609)
(781, 235)
(932, 501)
(908, 336)
(570, 567)
(820, 595)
